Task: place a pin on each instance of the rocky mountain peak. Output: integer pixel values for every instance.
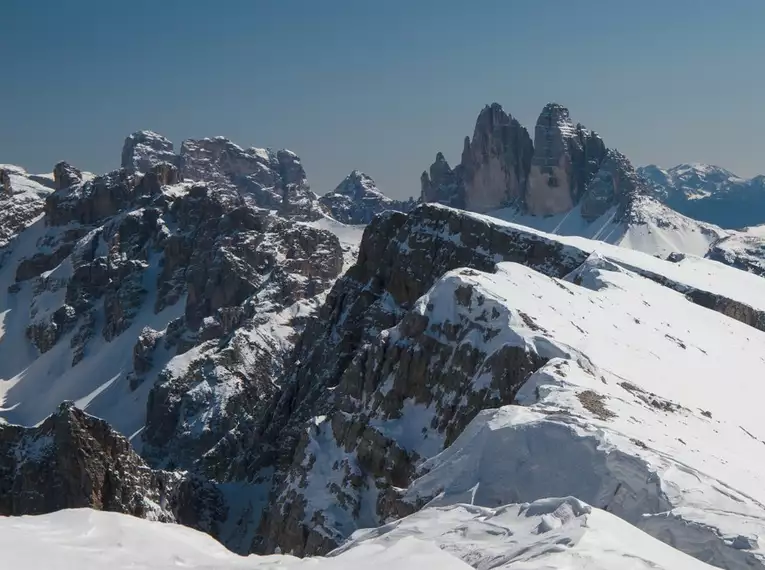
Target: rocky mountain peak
(357, 184)
(144, 149)
(65, 175)
(74, 460)
(566, 157)
(5, 182)
(709, 193)
(443, 185)
(554, 115)
(616, 182)
(496, 162)
(356, 200)
(502, 167)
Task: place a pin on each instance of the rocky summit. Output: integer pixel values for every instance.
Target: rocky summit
(357, 200)
(501, 167)
(198, 339)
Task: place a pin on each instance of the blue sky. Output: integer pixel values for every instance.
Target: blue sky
(379, 85)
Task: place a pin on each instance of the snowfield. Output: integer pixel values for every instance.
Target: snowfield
(654, 228)
(646, 407)
(556, 533)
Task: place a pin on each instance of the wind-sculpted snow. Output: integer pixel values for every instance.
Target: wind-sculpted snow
(646, 226)
(632, 415)
(557, 533)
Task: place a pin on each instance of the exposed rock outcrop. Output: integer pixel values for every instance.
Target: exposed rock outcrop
(614, 183)
(356, 200)
(246, 273)
(65, 175)
(74, 460)
(373, 356)
(567, 165)
(745, 250)
(496, 162)
(91, 201)
(21, 202)
(145, 149)
(566, 158)
(442, 184)
(274, 180)
(356, 378)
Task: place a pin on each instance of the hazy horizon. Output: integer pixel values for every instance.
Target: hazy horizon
(379, 87)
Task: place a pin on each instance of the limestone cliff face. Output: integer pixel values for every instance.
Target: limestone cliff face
(496, 162)
(615, 182)
(442, 185)
(269, 179)
(358, 375)
(566, 157)
(566, 165)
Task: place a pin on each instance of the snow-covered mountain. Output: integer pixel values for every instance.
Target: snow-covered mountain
(708, 193)
(357, 200)
(565, 182)
(744, 250)
(282, 381)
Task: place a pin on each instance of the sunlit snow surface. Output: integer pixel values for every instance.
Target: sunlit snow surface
(650, 407)
(556, 533)
(659, 231)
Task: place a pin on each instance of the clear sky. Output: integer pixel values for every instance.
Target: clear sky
(379, 85)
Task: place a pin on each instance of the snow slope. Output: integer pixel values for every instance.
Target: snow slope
(686, 270)
(549, 533)
(556, 533)
(32, 384)
(648, 407)
(652, 228)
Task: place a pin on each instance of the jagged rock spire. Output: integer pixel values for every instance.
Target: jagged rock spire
(501, 167)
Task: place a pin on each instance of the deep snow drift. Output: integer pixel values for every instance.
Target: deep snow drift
(556, 533)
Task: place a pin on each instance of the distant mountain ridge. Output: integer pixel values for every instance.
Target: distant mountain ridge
(357, 200)
(708, 193)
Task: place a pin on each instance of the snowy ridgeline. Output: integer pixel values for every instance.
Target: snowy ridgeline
(646, 406)
(553, 533)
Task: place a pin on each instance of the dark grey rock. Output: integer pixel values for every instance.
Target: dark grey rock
(143, 150)
(357, 200)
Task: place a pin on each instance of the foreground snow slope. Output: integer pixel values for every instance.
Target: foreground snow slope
(556, 533)
(685, 271)
(648, 406)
